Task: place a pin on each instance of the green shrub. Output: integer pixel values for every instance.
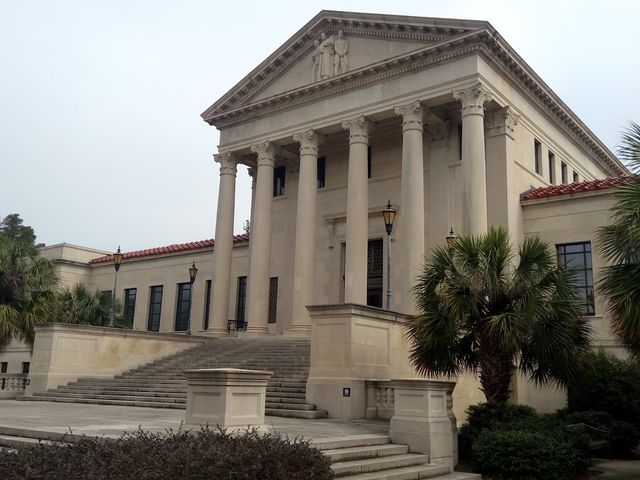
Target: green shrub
(179, 455)
(479, 419)
(505, 454)
(610, 385)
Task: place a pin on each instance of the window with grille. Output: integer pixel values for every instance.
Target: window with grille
(278, 181)
(578, 257)
(369, 156)
(129, 305)
(273, 299)
(183, 306)
(207, 304)
(374, 273)
(322, 168)
(155, 308)
(241, 302)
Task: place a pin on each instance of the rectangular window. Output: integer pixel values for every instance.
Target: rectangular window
(578, 256)
(576, 177)
(374, 273)
(4, 366)
(129, 305)
(460, 141)
(537, 152)
(207, 304)
(552, 168)
(369, 161)
(564, 172)
(241, 302)
(25, 367)
(278, 181)
(273, 299)
(183, 306)
(322, 166)
(155, 308)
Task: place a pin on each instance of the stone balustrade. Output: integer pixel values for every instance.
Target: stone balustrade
(12, 385)
(380, 401)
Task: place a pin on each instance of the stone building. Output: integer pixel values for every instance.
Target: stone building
(439, 117)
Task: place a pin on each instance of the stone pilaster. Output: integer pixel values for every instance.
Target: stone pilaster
(474, 181)
(223, 247)
(260, 242)
(411, 217)
(306, 218)
(357, 212)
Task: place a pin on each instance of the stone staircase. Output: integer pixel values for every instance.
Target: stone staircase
(374, 457)
(161, 384)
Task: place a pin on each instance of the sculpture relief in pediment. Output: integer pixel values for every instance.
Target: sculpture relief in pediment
(330, 56)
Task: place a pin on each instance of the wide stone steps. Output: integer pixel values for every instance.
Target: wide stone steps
(373, 457)
(162, 384)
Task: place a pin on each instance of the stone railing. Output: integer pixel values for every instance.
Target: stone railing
(380, 401)
(13, 385)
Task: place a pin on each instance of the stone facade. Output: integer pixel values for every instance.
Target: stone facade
(441, 118)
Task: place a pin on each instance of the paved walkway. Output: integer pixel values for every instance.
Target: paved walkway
(112, 421)
(617, 469)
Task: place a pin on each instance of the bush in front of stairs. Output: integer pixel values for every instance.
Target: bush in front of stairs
(173, 455)
(505, 454)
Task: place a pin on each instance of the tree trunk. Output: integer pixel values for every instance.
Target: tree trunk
(496, 371)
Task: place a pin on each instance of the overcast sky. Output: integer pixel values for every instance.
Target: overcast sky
(101, 140)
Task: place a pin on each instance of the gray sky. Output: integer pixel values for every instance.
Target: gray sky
(101, 141)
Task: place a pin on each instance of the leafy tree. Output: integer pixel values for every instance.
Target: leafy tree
(620, 246)
(27, 283)
(484, 309)
(80, 305)
(12, 229)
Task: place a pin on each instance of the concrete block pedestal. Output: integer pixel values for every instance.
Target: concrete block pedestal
(228, 397)
(423, 418)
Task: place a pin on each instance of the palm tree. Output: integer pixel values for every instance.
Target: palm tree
(27, 283)
(80, 305)
(487, 311)
(620, 246)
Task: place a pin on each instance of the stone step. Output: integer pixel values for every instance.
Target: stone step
(350, 441)
(98, 396)
(286, 389)
(427, 470)
(288, 406)
(354, 467)
(370, 451)
(283, 412)
(126, 403)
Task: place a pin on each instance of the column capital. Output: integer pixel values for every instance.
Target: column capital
(359, 129)
(501, 122)
(412, 116)
(266, 152)
(228, 163)
(472, 99)
(309, 141)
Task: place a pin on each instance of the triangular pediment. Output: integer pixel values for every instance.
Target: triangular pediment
(333, 45)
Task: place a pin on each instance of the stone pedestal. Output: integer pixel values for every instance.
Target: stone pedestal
(228, 397)
(423, 418)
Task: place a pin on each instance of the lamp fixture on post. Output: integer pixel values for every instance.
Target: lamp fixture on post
(389, 215)
(451, 240)
(193, 272)
(117, 261)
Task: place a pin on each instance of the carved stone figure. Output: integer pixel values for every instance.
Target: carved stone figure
(340, 60)
(326, 61)
(316, 56)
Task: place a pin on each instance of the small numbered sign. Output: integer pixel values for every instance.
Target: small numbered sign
(346, 391)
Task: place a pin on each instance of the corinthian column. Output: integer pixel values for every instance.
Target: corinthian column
(260, 242)
(223, 247)
(474, 176)
(411, 225)
(304, 258)
(357, 212)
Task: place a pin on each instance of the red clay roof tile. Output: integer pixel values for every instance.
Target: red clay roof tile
(178, 247)
(571, 188)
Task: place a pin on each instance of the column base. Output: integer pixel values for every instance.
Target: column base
(300, 330)
(256, 331)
